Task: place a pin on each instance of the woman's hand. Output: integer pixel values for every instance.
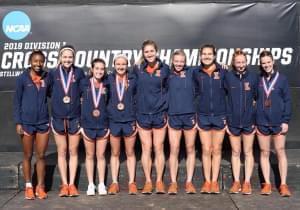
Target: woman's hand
(284, 128)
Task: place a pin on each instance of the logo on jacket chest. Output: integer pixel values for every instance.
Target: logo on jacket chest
(247, 86)
(216, 75)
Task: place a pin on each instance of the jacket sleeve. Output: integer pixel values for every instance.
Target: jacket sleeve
(196, 82)
(286, 95)
(17, 101)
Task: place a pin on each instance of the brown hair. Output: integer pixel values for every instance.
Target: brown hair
(265, 53)
(211, 46)
(144, 44)
(93, 63)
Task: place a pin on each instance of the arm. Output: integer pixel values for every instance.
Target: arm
(17, 104)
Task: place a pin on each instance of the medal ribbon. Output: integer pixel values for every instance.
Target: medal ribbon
(266, 89)
(65, 86)
(120, 90)
(96, 97)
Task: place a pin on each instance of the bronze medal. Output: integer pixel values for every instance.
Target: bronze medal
(66, 99)
(121, 106)
(267, 102)
(96, 113)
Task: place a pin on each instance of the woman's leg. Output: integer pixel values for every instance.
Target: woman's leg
(189, 136)
(61, 144)
(217, 141)
(174, 141)
(158, 143)
(89, 159)
(73, 151)
(279, 144)
(146, 142)
(206, 143)
(114, 158)
(130, 154)
(235, 142)
(265, 144)
(41, 145)
(248, 152)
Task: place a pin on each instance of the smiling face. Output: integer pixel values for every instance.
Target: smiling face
(240, 63)
(207, 56)
(37, 62)
(121, 66)
(149, 53)
(267, 64)
(67, 58)
(178, 62)
(98, 70)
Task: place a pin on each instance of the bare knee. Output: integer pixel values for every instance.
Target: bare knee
(280, 151)
(265, 153)
(217, 151)
(207, 151)
(27, 156)
(235, 153)
(190, 149)
(40, 156)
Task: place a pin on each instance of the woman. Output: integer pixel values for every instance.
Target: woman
(65, 107)
(94, 123)
(272, 118)
(32, 121)
(122, 121)
(181, 119)
(241, 85)
(152, 104)
(211, 113)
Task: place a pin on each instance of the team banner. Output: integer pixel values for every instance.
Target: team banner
(107, 30)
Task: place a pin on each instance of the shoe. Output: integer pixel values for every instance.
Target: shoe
(40, 192)
(73, 192)
(132, 189)
(29, 195)
(206, 187)
(91, 190)
(173, 188)
(113, 189)
(284, 191)
(266, 189)
(190, 188)
(64, 190)
(147, 188)
(160, 188)
(246, 188)
(102, 189)
(214, 188)
(235, 188)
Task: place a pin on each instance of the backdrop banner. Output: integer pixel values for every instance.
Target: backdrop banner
(106, 30)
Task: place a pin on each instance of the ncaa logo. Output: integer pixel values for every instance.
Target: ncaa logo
(16, 25)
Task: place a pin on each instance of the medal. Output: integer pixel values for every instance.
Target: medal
(96, 97)
(66, 100)
(96, 113)
(120, 92)
(268, 90)
(66, 84)
(120, 106)
(267, 102)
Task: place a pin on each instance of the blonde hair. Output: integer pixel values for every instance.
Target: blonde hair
(237, 52)
(177, 52)
(64, 48)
